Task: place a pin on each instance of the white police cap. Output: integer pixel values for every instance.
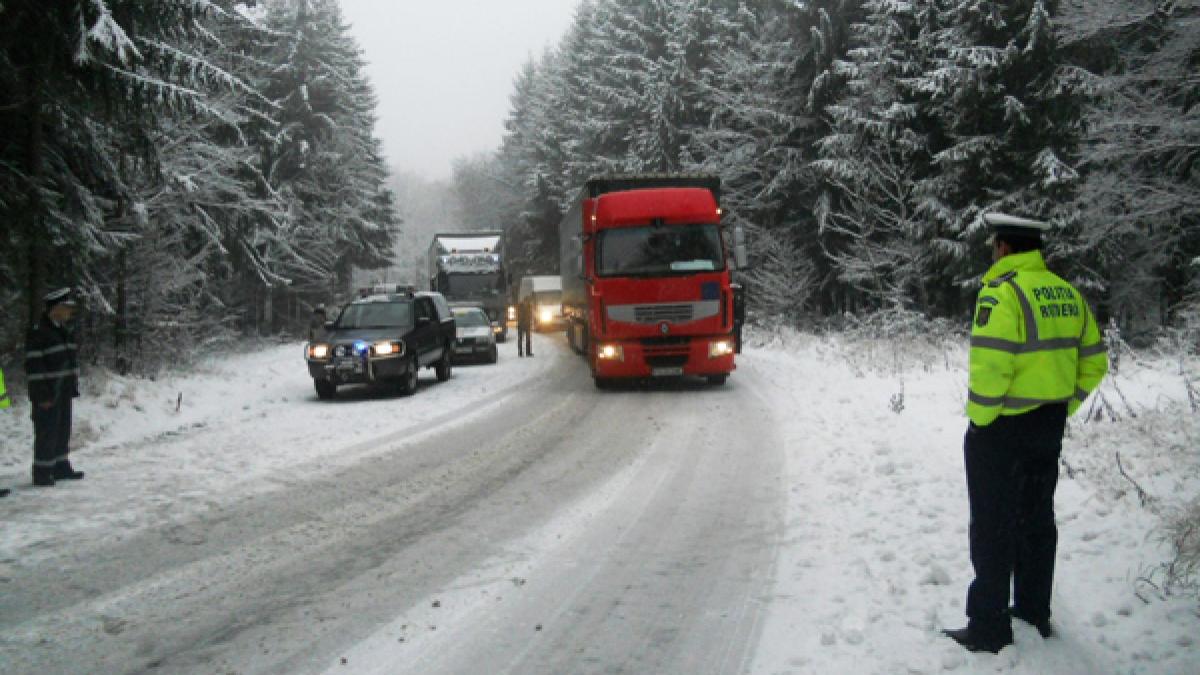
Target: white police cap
(1004, 223)
(60, 296)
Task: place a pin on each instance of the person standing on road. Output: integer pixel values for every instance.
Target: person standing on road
(5, 403)
(52, 369)
(1036, 354)
(316, 324)
(525, 327)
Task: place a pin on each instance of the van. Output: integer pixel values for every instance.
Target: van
(545, 295)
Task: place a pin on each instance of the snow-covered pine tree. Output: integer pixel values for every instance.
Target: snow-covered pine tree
(78, 79)
(324, 157)
(875, 150)
(1004, 123)
(1140, 201)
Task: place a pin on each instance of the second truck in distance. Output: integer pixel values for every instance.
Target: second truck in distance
(468, 269)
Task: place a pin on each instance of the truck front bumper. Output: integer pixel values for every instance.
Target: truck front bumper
(663, 358)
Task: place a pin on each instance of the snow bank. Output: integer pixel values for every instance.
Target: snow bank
(874, 561)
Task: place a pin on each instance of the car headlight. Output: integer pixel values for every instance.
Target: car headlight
(719, 348)
(547, 315)
(319, 351)
(496, 328)
(388, 348)
(610, 352)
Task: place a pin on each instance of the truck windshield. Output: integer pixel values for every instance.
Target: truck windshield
(659, 250)
(471, 285)
(376, 315)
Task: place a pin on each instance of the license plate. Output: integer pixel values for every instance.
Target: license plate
(666, 372)
(350, 364)
(463, 350)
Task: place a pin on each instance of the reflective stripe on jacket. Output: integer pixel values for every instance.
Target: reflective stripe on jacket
(51, 366)
(5, 401)
(1033, 341)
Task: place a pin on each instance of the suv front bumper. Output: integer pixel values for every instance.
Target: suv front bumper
(359, 369)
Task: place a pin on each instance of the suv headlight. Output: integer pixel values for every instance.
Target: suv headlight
(387, 349)
(319, 351)
(719, 348)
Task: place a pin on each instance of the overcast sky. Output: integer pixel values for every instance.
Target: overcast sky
(443, 70)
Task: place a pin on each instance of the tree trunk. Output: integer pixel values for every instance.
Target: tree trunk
(36, 237)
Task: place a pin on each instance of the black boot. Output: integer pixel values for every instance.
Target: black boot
(63, 471)
(977, 640)
(43, 476)
(1042, 625)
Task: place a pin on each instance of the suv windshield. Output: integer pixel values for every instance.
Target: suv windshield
(659, 250)
(470, 318)
(376, 315)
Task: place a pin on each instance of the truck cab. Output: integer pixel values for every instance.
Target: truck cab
(646, 269)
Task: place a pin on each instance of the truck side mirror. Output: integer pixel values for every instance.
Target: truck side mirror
(740, 259)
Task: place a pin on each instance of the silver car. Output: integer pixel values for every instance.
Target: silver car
(475, 339)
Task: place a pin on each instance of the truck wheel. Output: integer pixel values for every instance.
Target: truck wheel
(326, 390)
(717, 380)
(443, 366)
(408, 383)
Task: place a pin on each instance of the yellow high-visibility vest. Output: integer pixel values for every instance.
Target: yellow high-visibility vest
(1033, 341)
(5, 401)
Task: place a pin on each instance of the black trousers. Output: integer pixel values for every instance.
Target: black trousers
(1012, 473)
(52, 433)
(524, 341)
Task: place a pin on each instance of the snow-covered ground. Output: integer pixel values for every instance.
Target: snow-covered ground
(875, 558)
(161, 450)
(871, 562)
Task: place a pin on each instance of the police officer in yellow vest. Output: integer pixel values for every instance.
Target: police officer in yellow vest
(5, 402)
(1036, 354)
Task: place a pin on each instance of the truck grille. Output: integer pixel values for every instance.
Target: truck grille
(657, 313)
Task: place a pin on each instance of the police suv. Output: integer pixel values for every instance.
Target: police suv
(385, 336)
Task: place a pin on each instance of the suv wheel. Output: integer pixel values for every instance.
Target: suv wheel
(408, 383)
(326, 390)
(443, 365)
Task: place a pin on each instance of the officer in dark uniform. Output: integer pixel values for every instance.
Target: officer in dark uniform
(525, 327)
(1036, 354)
(316, 323)
(52, 370)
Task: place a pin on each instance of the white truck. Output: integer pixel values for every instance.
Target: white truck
(545, 295)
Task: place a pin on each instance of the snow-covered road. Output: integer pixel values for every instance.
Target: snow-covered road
(808, 517)
(526, 521)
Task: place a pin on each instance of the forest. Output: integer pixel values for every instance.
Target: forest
(204, 169)
(860, 142)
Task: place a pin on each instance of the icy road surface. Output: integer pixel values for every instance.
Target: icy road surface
(807, 518)
(559, 529)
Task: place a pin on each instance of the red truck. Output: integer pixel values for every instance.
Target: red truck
(645, 266)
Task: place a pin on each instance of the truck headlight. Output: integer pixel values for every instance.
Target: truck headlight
(610, 352)
(388, 348)
(719, 348)
(318, 352)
